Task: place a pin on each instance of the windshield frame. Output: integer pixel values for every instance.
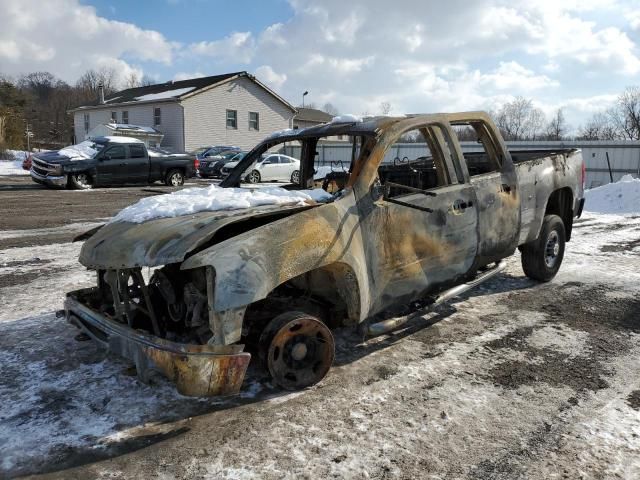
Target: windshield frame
(308, 138)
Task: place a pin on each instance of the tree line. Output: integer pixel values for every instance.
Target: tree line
(41, 101)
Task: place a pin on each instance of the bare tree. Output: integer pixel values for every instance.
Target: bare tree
(626, 113)
(385, 108)
(600, 127)
(92, 79)
(330, 109)
(132, 81)
(557, 128)
(519, 120)
(146, 81)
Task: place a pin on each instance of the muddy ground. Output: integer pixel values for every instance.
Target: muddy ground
(515, 380)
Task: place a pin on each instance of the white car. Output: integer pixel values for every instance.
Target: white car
(272, 167)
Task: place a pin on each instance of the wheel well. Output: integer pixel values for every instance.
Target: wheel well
(561, 203)
(330, 292)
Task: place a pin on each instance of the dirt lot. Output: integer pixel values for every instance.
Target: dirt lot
(515, 380)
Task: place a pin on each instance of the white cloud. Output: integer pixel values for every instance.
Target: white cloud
(419, 55)
(512, 76)
(187, 75)
(267, 75)
(236, 47)
(67, 38)
(422, 55)
(633, 17)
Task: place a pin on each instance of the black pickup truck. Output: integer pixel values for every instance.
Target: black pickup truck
(105, 161)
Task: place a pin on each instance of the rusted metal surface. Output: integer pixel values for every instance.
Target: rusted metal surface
(299, 350)
(360, 253)
(197, 370)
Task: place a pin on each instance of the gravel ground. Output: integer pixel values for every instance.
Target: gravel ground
(515, 380)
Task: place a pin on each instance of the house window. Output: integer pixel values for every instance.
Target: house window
(254, 121)
(114, 117)
(125, 117)
(157, 119)
(86, 123)
(232, 119)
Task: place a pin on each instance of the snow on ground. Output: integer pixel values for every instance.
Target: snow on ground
(12, 167)
(64, 396)
(421, 403)
(213, 198)
(620, 197)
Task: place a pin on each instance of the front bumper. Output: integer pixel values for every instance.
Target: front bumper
(58, 181)
(209, 170)
(197, 370)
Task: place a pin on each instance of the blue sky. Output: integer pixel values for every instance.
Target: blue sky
(417, 55)
(195, 20)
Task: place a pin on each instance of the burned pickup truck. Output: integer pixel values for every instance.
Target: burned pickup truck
(281, 276)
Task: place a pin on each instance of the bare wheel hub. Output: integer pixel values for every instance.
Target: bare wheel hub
(300, 351)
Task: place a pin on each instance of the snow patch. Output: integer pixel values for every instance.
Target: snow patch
(214, 198)
(82, 150)
(12, 167)
(325, 170)
(560, 338)
(286, 132)
(346, 118)
(120, 139)
(622, 196)
(166, 94)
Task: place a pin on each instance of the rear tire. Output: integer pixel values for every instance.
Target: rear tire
(298, 349)
(295, 176)
(541, 259)
(174, 178)
(80, 181)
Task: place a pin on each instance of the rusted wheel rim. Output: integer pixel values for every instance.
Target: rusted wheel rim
(300, 353)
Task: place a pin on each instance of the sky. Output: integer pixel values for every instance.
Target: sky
(417, 55)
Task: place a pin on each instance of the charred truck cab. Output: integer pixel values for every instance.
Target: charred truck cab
(182, 296)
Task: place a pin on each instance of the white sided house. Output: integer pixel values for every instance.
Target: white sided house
(230, 109)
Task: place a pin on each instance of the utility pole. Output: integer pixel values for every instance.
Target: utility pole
(304, 95)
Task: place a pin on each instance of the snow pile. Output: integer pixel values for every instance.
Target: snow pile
(82, 150)
(620, 197)
(12, 167)
(214, 198)
(285, 133)
(346, 118)
(18, 154)
(325, 170)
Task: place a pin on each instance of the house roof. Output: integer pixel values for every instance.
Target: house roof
(173, 91)
(313, 115)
